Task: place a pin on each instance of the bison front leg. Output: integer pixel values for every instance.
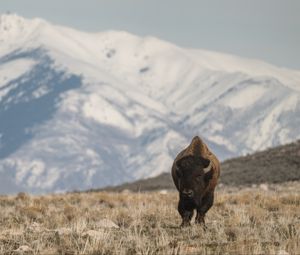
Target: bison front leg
(186, 212)
(200, 218)
(205, 205)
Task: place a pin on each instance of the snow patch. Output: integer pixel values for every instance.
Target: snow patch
(222, 141)
(244, 97)
(13, 70)
(41, 91)
(102, 111)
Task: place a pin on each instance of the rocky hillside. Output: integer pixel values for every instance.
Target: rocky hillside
(275, 165)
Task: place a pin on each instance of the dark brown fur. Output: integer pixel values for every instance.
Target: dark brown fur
(195, 185)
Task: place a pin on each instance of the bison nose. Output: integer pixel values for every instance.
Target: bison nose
(187, 193)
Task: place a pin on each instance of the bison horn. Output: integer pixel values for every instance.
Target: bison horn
(208, 168)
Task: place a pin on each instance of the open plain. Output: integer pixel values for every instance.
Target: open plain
(261, 219)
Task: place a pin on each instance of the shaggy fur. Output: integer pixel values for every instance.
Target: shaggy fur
(195, 173)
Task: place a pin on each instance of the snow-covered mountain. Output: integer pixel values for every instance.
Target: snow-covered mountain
(81, 110)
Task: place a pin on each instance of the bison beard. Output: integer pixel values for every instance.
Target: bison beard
(195, 173)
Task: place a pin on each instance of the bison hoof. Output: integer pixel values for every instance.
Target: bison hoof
(185, 224)
(202, 224)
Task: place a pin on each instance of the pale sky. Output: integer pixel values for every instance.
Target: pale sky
(262, 29)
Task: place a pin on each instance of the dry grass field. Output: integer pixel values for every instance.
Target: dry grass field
(243, 221)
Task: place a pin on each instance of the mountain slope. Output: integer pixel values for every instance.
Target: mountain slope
(81, 110)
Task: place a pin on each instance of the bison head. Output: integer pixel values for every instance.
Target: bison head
(194, 173)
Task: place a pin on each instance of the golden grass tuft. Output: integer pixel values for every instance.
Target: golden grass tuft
(242, 221)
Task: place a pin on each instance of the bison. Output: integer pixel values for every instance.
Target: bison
(195, 173)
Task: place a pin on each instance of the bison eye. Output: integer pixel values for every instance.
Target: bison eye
(178, 172)
(198, 177)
